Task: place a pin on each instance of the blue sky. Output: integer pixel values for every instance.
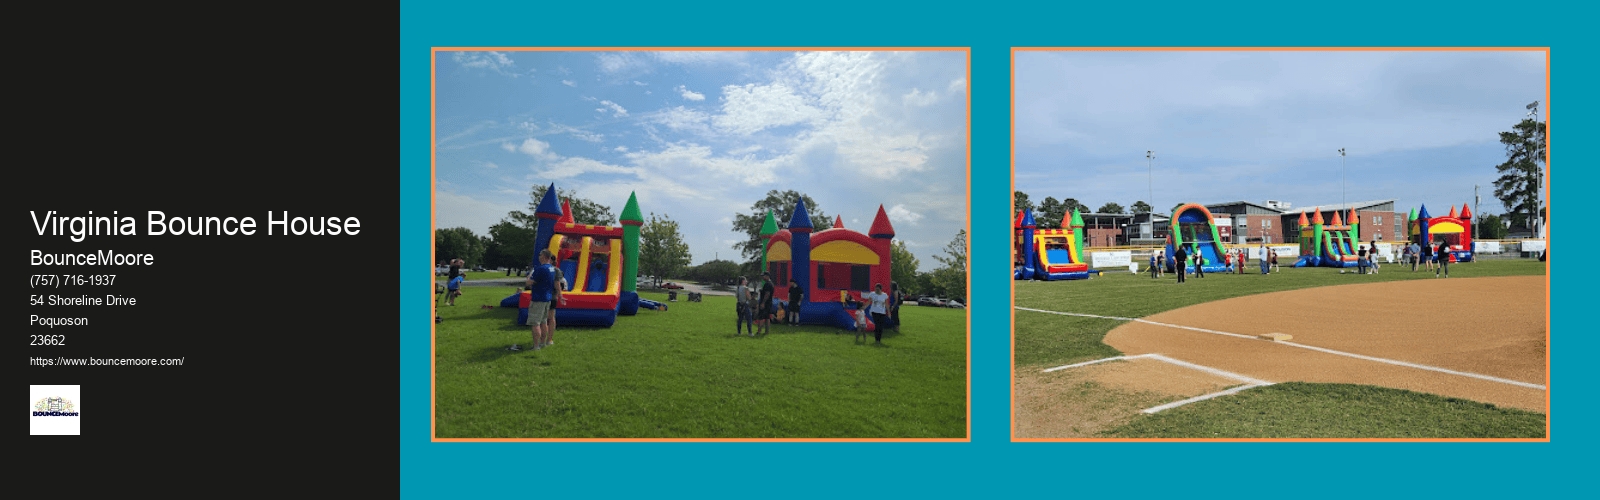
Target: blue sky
(1420, 127)
(701, 136)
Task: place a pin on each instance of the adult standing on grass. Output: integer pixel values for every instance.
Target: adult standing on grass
(1182, 259)
(1444, 259)
(560, 283)
(898, 295)
(880, 303)
(1199, 260)
(1361, 260)
(764, 305)
(541, 290)
(1154, 258)
(742, 295)
(792, 313)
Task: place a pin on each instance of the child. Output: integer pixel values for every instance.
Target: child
(453, 290)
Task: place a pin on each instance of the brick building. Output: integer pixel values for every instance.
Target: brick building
(1242, 222)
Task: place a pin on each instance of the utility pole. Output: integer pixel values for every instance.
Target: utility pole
(1341, 177)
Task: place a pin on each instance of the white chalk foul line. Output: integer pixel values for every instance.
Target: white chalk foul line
(1176, 404)
(1250, 383)
(1478, 376)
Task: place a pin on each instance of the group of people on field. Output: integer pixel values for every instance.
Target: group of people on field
(758, 307)
(1431, 257)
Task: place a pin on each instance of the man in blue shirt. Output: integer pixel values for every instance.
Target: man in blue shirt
(542, 290)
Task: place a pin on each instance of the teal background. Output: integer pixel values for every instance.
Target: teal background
(990, 463)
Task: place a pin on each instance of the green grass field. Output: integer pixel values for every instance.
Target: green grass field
(1041, 340)
(683, 374)
(1302, 410)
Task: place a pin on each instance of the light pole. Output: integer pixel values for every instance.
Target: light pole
(1341, 177)
(1536, 217)
(1150, 215)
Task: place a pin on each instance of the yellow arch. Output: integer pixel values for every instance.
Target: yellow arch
(847, 252)
(779, 251)
(1445, 228)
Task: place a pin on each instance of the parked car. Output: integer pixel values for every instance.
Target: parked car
(671, 286)
(956, 304)
(478, 268)
(931, 302)
(441, 271)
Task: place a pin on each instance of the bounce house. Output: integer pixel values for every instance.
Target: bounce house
(829, 265)
(1329, 245)
(600, 263)
(1194, 229)
(1048, 254)
(1452, 229)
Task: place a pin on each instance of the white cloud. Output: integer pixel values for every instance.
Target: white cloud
(639, 83)
(919, 98)
(497, 62)
(613, 62)
(699, 57)
(532, 147)
(616, 110)
(745, 150)
(528, 126)
(690, 94)
(488, 164)
(575, 166)
(698, 161)
(577, 132)
(620, 149)
(681, 118)
(751, 108)
(569, 83)
(958, 85)
(899, 213)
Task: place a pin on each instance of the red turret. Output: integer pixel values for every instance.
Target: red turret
(566, 213)
(1453, 212)
(1336, 220)
(1302, 219)
(838, 222)
(1318, 218)
(1466, 214)
(880, 225)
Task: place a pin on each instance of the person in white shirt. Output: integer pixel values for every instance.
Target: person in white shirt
(880, 303)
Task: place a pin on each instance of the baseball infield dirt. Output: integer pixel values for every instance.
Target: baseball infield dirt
(1487, 326)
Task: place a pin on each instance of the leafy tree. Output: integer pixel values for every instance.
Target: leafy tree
(662, 251)
(513, 243)
(951, 278)
(1521, 173)
(902, 264)
(584, 210)
(1491, 227)
(781, 204)
(716, 271)
(1050, 213)
(1109, 208)
(1070, 204)
(1019, 202)
(458, 242)
(1140, 207)
(1175, 208)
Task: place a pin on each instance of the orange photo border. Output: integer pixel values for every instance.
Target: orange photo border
(1547, 174)
(433, 147)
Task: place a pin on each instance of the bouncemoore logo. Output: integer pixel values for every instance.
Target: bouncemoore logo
(54, 407)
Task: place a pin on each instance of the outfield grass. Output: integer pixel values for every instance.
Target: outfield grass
(1305, 410)
(683, 374)
(1283, 410)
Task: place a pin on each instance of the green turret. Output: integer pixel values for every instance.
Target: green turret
(769, 227)
(631, 220)
(1077, 235)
